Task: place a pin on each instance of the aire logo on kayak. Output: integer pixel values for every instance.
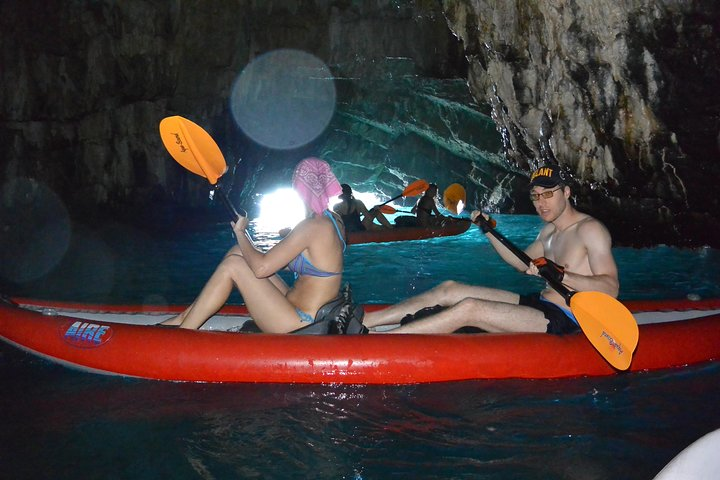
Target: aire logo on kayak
(87, 335)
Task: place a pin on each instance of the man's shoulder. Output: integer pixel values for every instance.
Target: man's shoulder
(592, 230)
(588, 222)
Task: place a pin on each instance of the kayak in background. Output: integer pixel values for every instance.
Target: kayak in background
(399, 234)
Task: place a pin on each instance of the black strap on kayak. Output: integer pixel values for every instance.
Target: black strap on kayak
(428, 311)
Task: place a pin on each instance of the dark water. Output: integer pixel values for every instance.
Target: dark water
(58, 423)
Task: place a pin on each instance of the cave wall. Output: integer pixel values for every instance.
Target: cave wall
(85, 83)
(623, 95)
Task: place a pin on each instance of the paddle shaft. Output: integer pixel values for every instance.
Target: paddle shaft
(558, 286)
(234, 213)
(391, 200)
(415, 188)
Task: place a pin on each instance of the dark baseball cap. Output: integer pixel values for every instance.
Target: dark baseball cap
(546, 177)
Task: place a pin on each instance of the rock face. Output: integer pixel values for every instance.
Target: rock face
(623, 95)
(85, 84)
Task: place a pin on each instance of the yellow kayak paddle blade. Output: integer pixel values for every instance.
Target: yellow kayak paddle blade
(454, 198)
(192, 147)
(609, 326)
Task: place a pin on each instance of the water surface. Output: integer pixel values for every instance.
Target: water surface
(59, 423)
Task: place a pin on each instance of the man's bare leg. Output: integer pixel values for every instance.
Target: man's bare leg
(488, 315)
(446, 294)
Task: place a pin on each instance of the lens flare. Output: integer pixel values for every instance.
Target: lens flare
(284, 99)
(35, 230)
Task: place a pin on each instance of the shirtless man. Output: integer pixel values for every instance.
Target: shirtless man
(577, 248)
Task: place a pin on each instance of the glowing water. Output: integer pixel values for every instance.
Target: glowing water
(58, 423)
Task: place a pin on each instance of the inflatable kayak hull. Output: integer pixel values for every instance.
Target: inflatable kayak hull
(399, 234)
(124, 341)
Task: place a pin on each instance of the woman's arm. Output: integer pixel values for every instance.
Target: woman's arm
(266, 264)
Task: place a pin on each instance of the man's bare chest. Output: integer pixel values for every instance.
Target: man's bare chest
(565, 248)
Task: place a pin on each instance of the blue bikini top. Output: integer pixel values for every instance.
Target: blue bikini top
(302, 266)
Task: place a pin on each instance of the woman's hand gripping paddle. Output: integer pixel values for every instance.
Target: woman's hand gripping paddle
(416, 188)
(194, 148)
(606, 322)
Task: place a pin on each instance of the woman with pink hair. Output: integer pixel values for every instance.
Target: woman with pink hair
(313, 250)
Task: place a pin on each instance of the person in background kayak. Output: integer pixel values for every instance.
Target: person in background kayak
(351, 209)
(573, 247)
(426, 210)
(313, 250)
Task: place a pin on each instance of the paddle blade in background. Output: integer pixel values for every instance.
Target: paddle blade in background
(609, 326)
(416, 188)
(192, 147)
(454, 198)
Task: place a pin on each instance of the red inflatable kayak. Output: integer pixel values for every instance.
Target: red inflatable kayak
(398, 234)
(122, 340)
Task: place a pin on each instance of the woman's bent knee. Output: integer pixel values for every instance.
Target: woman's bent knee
(234, 251)
(231, 265)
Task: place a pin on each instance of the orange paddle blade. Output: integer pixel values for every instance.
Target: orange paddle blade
(387, 209)
(609, 326)
(416, 188)
(192, 147)
(454, 197)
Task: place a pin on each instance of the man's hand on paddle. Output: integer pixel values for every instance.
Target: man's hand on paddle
(544, 267)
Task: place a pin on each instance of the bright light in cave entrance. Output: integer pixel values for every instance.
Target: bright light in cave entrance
(283, 208)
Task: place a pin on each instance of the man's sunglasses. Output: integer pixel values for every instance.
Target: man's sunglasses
(548, 194)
